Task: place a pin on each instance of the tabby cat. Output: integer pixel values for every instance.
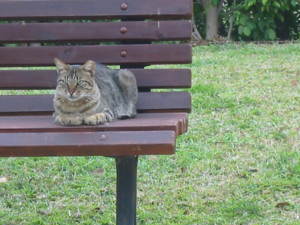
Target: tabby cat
(93, 94)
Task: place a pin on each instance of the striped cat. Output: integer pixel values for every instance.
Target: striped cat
(93, 94)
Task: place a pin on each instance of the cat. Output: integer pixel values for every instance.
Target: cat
(92, 94)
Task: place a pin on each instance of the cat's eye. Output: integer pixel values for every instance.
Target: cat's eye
(60, 82)
(84, 84)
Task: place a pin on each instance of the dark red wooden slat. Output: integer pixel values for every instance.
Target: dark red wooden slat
(110, 54)
(109, 31)
(115, 143)
(93, 9)
(164, 101)
(46, 79)
(163, 78)
(148, 102)
(142, 122)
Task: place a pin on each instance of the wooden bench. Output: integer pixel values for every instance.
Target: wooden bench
(131, 34)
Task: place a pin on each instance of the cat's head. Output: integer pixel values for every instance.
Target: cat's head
(75, 82)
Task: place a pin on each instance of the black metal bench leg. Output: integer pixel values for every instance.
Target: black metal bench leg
(126, 190)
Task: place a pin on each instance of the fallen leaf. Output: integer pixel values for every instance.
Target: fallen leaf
(44, 212)
(153, 157)
(282, 204)
(98, 171)
(3, 180)
(294, 83)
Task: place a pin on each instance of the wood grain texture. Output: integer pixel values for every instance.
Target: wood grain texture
(46, 79)
(176, 122)
(117, 143)
(94, 9)
(109, 54)
(105, 31)
(148, 102)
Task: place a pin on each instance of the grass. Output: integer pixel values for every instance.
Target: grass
(239, 164)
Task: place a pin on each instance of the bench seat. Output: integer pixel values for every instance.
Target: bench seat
(176, 122)
(37, 135)
(118, 143)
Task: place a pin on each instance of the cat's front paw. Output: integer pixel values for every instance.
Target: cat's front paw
(98, 118)
(67, 120)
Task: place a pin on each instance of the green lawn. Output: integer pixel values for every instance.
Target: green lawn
(239, 164)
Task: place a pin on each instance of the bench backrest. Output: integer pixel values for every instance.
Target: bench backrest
(130, 33)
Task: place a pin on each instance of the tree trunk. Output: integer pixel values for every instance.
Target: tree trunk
(212, 19)
(230, 28)
(212, 24)
(231, 20)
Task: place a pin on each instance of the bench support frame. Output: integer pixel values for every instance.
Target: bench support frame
(126, 189)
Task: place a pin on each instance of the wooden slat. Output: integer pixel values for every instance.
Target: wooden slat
(148, 102)
(110, 54)
(164, 101)
(115, 143)
(142, 122)
(94, 9)
(109, 31)
(46, 79)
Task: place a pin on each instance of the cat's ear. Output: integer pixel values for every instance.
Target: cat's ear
(60, 65)
(89, 66)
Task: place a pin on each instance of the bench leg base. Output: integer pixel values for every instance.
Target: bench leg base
(126, 190)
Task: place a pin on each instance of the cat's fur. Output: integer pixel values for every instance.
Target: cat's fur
(93, 94)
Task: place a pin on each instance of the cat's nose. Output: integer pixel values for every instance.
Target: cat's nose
(71, 91)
